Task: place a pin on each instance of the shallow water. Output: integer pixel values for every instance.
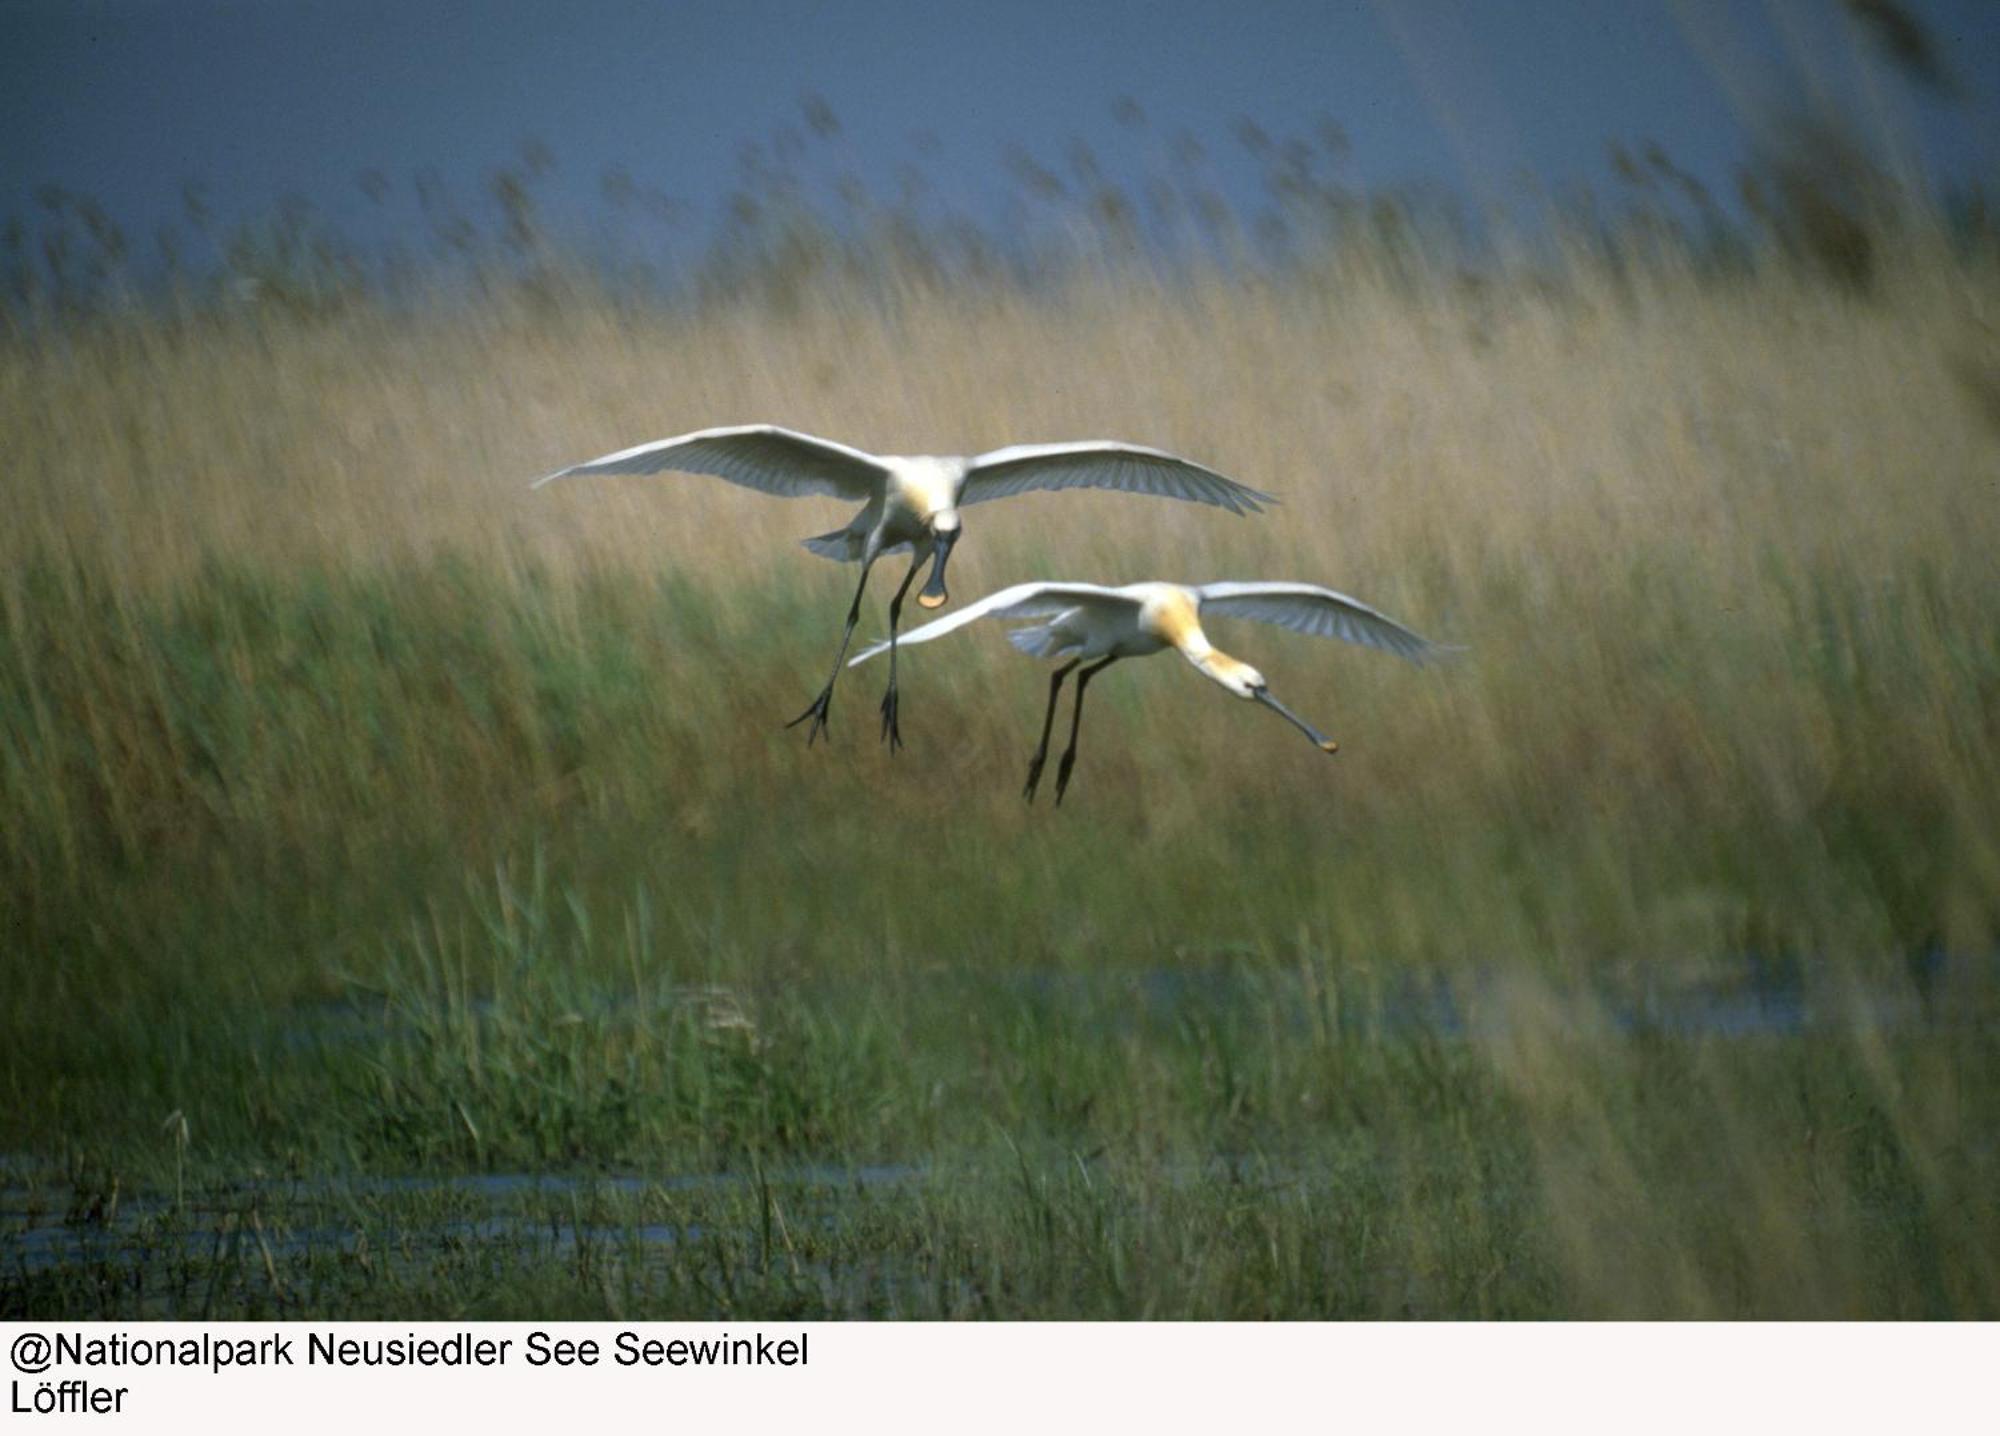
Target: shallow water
(1742, 998)
(1745, 998)
(405, 1222)
(46, 1228)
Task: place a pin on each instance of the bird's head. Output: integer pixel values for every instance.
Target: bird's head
(944, 528)
(1234, 674)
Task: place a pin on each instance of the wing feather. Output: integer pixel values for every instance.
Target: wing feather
(1104, 464)
(1320, 612)
(1023, 600)
(757, 456)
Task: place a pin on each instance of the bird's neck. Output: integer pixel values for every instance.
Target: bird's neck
(1175, 621)
(1212, 661)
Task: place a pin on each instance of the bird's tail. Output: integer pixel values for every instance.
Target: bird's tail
(842, 545)
(1041, 640)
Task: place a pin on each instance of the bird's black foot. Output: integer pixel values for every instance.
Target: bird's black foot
(891, 734)
(818, 710)
(1034, 775)
(1062, 775)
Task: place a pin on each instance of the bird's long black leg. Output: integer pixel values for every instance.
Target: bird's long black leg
(819, 707)
(1048, 726)
(1076, 725)
(890, 734)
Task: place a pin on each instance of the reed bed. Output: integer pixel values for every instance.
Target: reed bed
(375, 815)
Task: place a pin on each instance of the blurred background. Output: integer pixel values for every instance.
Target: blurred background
(414, 904)
(639, 137)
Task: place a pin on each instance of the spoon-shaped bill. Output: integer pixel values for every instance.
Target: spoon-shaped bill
(933, 594)
(1326, 744)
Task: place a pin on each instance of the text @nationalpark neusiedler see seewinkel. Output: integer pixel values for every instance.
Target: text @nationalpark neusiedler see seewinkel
(537, 1349)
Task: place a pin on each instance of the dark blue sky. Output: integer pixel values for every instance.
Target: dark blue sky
(125, 99)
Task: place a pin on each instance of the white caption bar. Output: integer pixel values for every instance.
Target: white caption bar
(498, 1377)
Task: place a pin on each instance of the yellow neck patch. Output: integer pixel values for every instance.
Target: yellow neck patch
(1175, 621)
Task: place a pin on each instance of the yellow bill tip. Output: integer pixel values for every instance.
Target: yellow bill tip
(1327, 745)
(933, 600)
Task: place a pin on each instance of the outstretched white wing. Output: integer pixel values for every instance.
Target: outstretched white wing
(1023, 600)
(1102, 464)
(1308, 608)
(757, 456)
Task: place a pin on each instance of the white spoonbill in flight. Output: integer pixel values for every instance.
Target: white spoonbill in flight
(1086, 621)
(910, 501)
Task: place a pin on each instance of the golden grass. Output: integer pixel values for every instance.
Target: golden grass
(1721, 551)
(1457, 432)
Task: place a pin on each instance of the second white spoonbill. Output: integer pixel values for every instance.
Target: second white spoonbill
(910, 501)
(1085, 621)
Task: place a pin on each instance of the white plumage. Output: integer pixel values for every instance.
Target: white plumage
(910, 501)
(789, 464)
(1085, 621)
